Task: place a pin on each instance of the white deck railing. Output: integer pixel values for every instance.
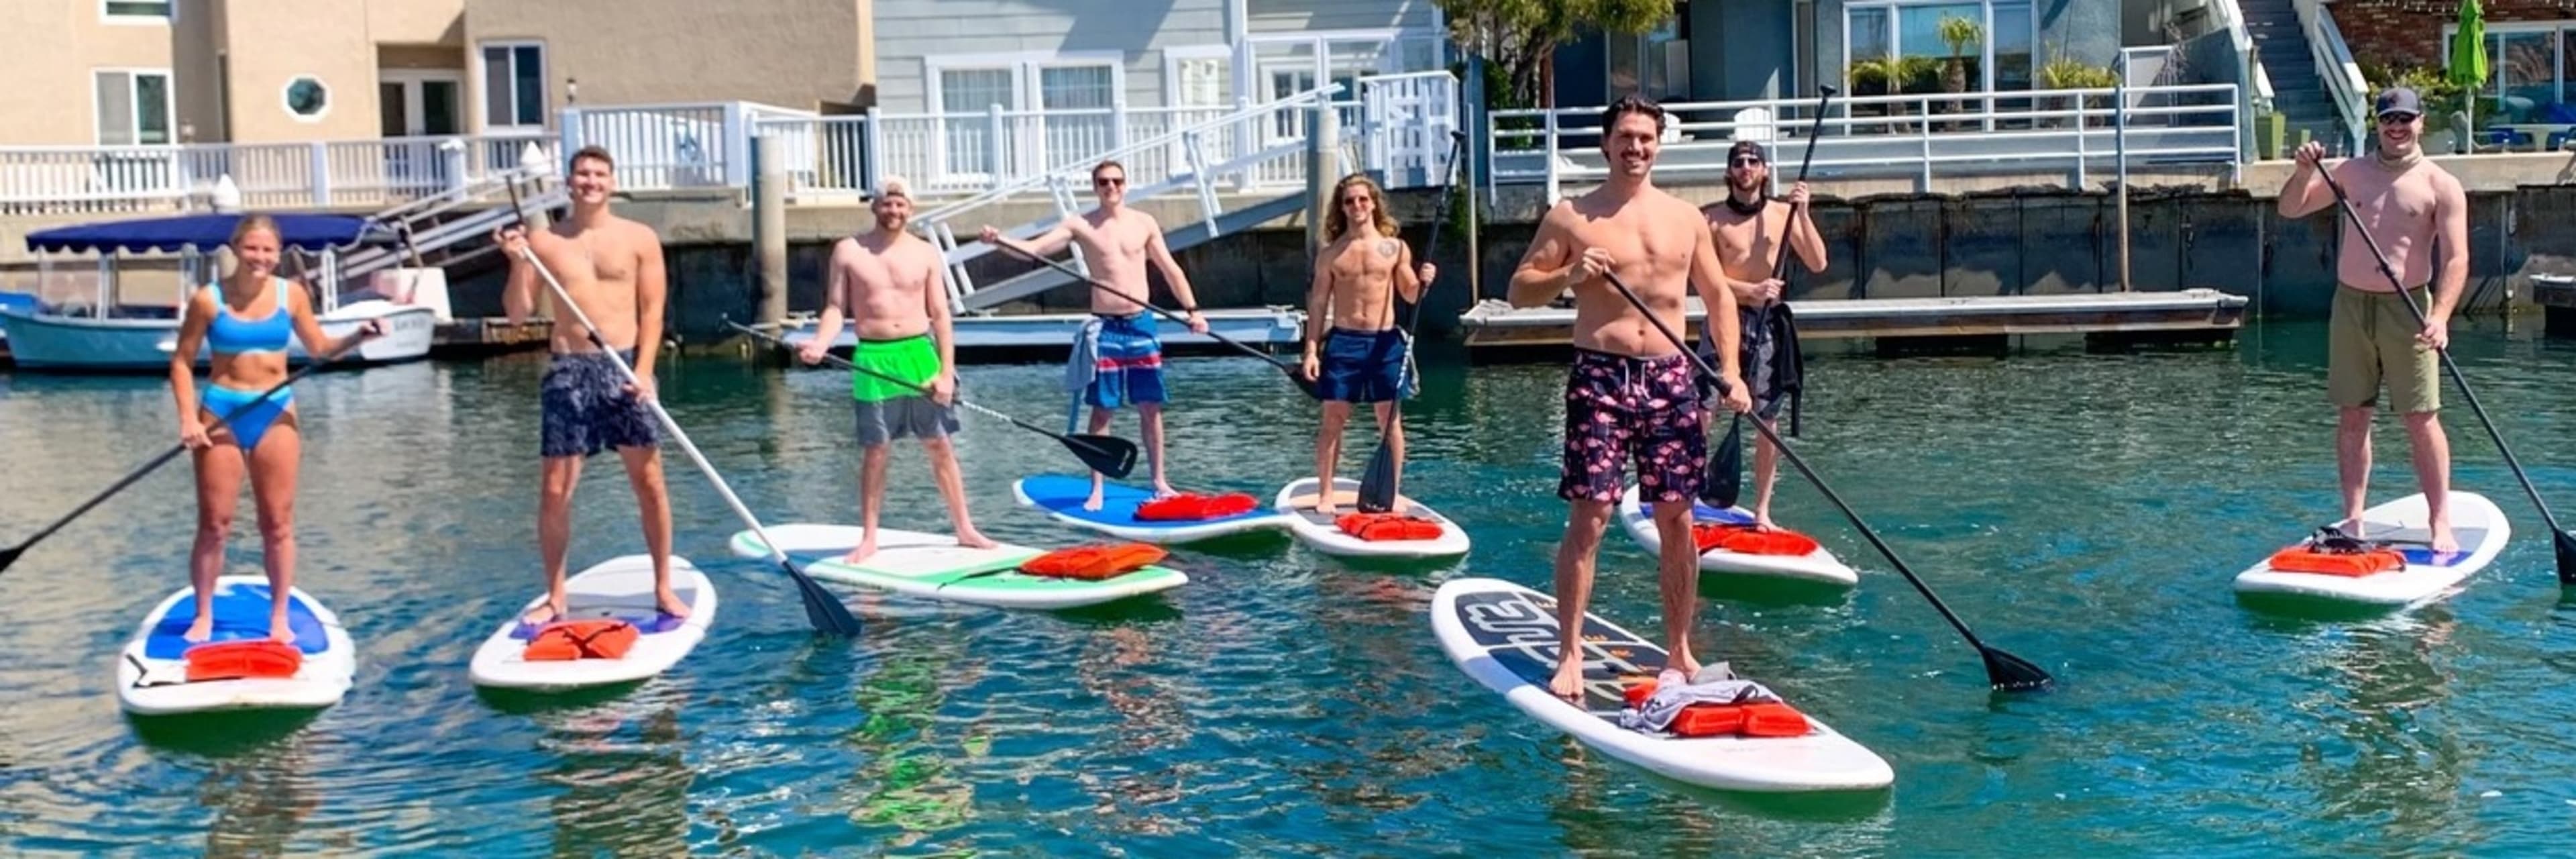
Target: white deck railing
(1892, 136)
(666, 146)
(325, 174)
(2343, 78)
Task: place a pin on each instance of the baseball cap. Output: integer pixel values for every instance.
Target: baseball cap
(2398, 100)
(890, 186)
(1743, 147)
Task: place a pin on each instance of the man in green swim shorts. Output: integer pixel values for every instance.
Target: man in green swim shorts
(888, 283)
(2415, 211)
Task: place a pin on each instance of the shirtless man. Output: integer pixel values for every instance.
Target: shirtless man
(1748, 230)
(1632, 393)
(612, 267)
(2413, 209)
(1366, 358)
(888, 281)
(1118, 350)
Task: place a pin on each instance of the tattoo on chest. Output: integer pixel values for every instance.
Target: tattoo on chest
(1386, 247)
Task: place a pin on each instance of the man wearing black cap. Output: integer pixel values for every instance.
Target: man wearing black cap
(2415, 211)
(1749, 232)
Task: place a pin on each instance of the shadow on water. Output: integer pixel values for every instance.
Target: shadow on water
(529, 702)
(2277, 612)
(1257, 545)
(1140, 610)
(1773, 590)
(225, 734)
(620, 776)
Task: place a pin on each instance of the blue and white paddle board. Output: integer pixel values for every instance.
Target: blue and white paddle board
(2475, 521)
(1062, 498)
(620, 587)
(1817, 566)
(152, 672)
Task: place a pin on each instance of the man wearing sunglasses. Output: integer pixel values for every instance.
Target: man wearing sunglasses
(1117, 358)
(1750, 233)
(2415, 211)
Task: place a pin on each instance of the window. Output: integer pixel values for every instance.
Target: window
(2531, 73)
(133, 107)
(514, 85)
(1897, 46)
(307, 99)
(135, 11)
(964, 88)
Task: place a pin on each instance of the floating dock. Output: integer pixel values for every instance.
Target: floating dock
(1493, 326)
(2556, 295)
(493, 335)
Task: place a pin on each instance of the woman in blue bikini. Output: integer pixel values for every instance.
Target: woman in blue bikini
(245, 320)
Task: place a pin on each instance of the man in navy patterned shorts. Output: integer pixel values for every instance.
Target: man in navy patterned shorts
(1630, 395)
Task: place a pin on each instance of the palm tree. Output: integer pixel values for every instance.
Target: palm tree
(1961, 33)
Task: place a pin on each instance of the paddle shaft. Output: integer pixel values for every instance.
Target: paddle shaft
(176, 449)
(2443, 353)
(1376, 491)
(843, 363)
(1158, 311)
(1801, 464)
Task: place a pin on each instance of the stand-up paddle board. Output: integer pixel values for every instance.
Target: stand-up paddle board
(2401, 526)
(1062, 498)
(620, 589)
(1818, 565)
(1505, 636)
(153, 673)
(1325, 533)
(933, 565)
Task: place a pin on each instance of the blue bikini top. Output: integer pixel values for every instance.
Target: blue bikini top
(233, 335)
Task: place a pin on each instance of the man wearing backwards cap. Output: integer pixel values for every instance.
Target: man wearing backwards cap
(2414, 210)
(1750, 234)
(888, 283)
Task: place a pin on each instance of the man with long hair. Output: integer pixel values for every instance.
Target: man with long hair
(1365, 358)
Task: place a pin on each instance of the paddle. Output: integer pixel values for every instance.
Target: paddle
(1107, 454)
(1377, 482)
(1725, 483)
(2561, 539)
(826, 613)
(2003, 670)
(1295, 373)
(10, 555)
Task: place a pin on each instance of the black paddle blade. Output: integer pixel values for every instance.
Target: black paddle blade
(1107, 454)
(1377, 484)
(826, 613)
(10, 556)
(2566, 558)
(1725, 482)
(1297, 374)
(2009, 673)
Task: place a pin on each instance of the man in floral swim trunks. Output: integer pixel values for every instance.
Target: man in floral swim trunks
(1630, 394)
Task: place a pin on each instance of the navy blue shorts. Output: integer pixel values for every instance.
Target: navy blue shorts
(586, 409)
(1364, 367)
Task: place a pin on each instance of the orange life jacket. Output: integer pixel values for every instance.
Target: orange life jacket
(2306, 558)
(1748, 540)
(247, 658)
(1191, 506)
(1093, 562)
(1375, 527)
(1764, 719)
(593, 638)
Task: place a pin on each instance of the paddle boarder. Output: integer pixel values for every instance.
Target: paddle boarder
(244, 321)
(887, 283)
(1749, 231)
(2415, 211)
(1365, 357)
(1631, 394)
(1117, 358)
(612, 268)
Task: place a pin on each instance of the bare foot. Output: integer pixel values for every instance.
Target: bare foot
(867, 546)
(1682, 661)
(278, 630)
(973, 539)
(1762, 521)
(1164, 490)
(1094, 503)
(1325, 506)
(543, 614)
(2444, 542)
(670, 603)
(202, 629)
(1567, 685)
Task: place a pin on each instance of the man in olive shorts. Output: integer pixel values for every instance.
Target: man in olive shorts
(2414, 210)
(888, 283)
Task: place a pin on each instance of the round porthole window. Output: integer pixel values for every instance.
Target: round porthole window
(307, 98)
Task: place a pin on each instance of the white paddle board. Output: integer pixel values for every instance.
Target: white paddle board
(933, 565)
(1062, 498)
(2480, 527)
(1297, 499)
(1505, 636)
(619, 587)
(1817, 566)
(152, 671)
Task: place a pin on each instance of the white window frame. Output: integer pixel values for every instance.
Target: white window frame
(483, 94)
(285, 102)
(169, 14)
(1174, 57)
(415, 111)
(1027, 92)
(2495, 81)
(169, 104)
(1985, 25)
